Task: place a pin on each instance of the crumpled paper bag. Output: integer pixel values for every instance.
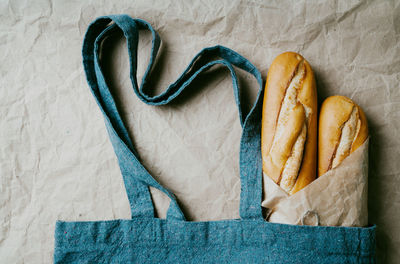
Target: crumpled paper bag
(337, 198)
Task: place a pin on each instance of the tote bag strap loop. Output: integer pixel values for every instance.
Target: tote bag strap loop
(136, 178)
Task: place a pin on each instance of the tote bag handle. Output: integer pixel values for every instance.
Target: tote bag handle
(136, 178)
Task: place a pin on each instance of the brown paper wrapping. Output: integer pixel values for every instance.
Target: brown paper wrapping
(337, 198)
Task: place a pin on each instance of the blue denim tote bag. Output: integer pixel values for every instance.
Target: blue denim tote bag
(146, 239)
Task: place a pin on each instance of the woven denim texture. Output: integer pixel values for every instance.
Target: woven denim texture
(146, 239)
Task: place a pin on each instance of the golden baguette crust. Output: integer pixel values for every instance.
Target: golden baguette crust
(289, 123)
(342, 129)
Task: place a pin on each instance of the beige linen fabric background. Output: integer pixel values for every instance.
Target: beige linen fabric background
(56, 161)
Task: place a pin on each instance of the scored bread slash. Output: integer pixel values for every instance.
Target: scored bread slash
(342, 129)
(289, 123)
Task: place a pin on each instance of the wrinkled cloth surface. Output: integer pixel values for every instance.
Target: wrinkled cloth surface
(56, 160)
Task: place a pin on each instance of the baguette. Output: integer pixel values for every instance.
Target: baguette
(342, 129)
(289, 123)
